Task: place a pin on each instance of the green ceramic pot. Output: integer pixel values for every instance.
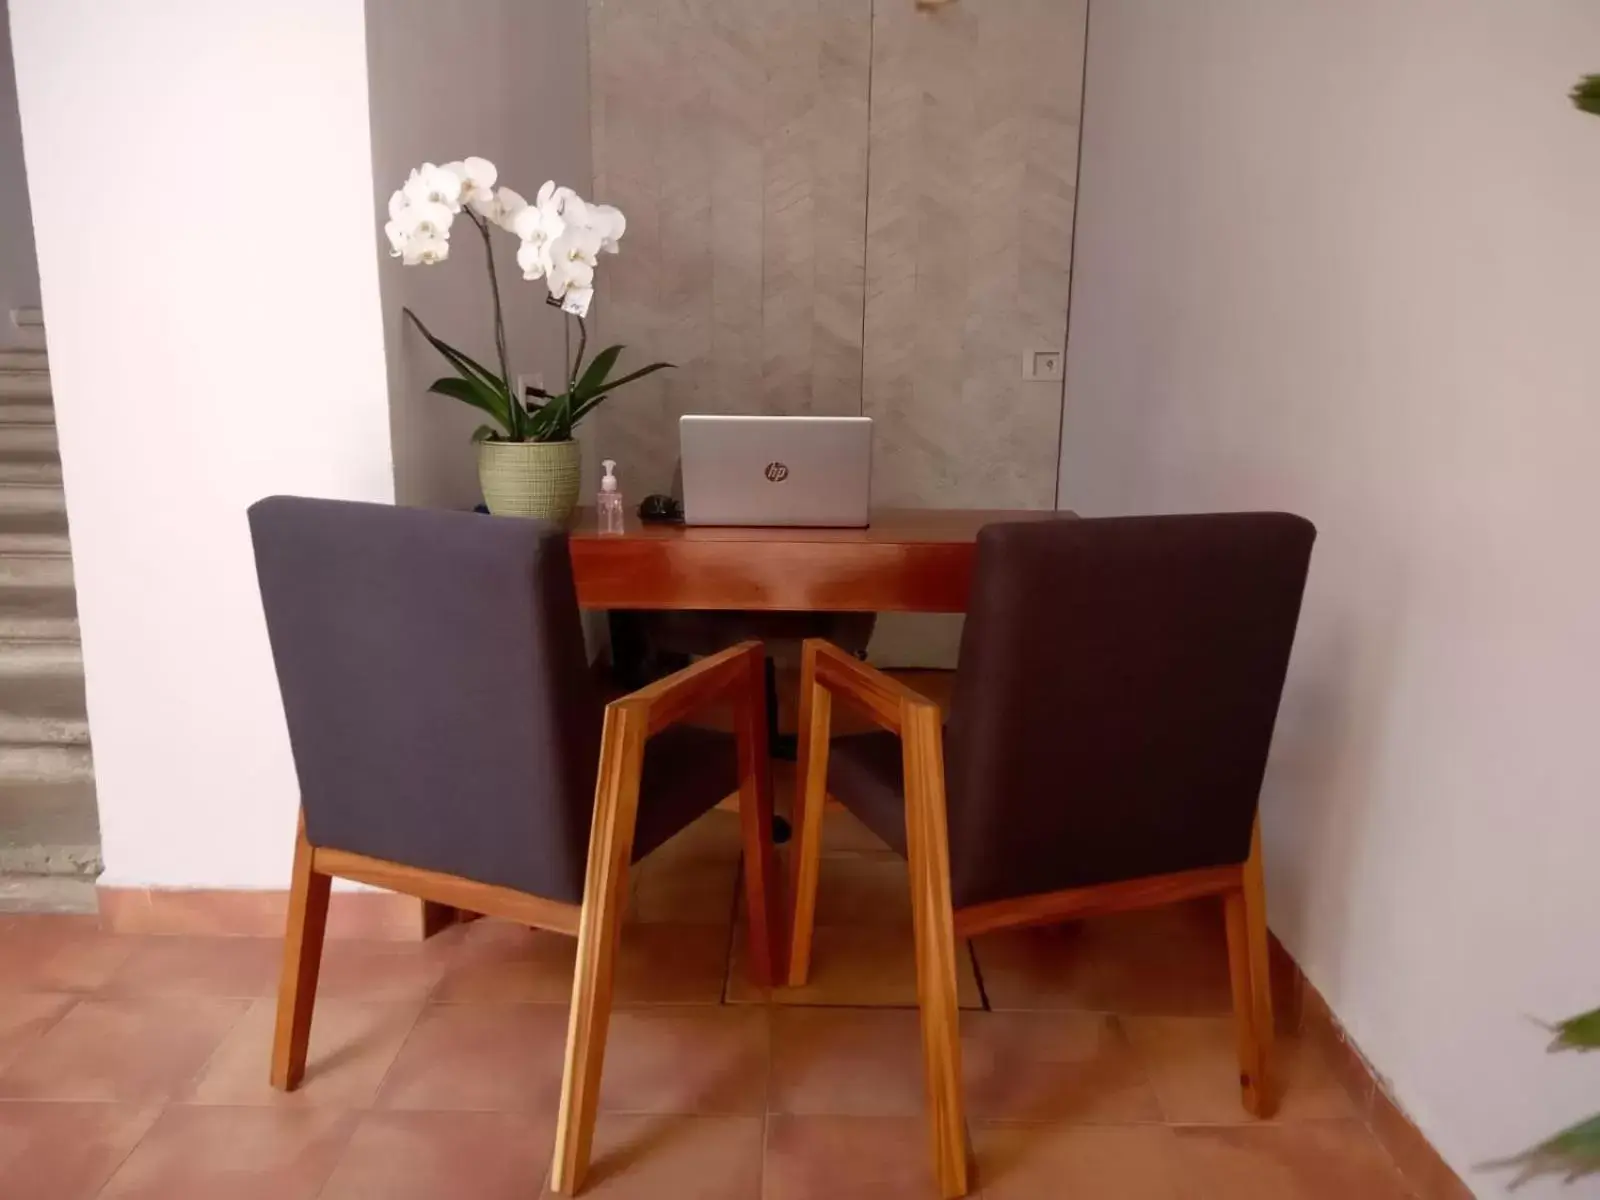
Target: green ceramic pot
(530, 479)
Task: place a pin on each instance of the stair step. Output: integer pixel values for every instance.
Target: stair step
(48, 894)
(29, 441)
(30, 471)
(36, 764)
(24, 360)
(53, 524)
(40, 657)
(41, 545)
(32, 498)
(38, 615)
(31, 571)
(49, 828)
(17, 729)
(27, 412)
(52, 701)
(24, 385)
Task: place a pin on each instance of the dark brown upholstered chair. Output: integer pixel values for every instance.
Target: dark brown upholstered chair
(1113, 708)
(451, 743)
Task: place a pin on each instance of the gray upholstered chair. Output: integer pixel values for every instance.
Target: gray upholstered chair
(451, 742)
(1114, 704)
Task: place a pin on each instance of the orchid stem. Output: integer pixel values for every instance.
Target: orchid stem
(517, 410)
(577, 366)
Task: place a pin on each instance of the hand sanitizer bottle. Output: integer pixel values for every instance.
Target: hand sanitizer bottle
(609, 504)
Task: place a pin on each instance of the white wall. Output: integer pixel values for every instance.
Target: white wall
(19, 275)
(522, 104)
(201, 177)
(1340, 257)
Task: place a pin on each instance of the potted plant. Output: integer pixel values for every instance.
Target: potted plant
(528, 459)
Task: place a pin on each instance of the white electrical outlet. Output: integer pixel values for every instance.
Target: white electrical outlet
(531, 379)
(1041, 366)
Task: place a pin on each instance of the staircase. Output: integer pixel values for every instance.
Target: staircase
(49, 831)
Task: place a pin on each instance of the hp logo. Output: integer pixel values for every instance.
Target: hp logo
(776, 472)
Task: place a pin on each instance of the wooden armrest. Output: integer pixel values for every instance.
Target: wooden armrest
(683, 693)
(883, 699)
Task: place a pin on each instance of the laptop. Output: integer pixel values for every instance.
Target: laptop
(814, 471)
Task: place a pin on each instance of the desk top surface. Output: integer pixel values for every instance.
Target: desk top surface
(895, 526)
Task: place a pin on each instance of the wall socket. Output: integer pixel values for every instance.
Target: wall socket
(1041, 366)
(528, 380)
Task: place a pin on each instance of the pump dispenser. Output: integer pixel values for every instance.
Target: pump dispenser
(608, 505)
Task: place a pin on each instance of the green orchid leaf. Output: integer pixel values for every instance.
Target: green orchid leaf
(632, 375)
(1586, 95)
(1581, 1032)
(593, 400)
(470, 391)
(1573, 1153)
(474, 372)
(545, 420)
(485, 433)
(595, 375)
(466, 366)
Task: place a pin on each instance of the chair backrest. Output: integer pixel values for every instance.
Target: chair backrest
(434, 678)
(1118, 683)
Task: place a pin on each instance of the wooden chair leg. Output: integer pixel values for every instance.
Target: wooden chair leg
(605, 895)
(810, 799)
(1249, 973)
(302, 959)
(928, 852)
(763, 904)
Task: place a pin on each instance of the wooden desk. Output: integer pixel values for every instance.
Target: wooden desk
(908, 560)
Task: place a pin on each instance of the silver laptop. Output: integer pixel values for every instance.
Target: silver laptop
(776, 470)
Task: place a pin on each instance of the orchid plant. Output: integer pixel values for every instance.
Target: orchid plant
(562, 236)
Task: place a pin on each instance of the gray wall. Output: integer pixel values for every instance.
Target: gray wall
(19, 268)
(844, 207)
(506, 80)
(1340, 257)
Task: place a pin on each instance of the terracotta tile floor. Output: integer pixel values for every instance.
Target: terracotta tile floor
(1098, 1061)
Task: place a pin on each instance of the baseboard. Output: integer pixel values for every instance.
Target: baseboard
(1307, 1013)
(239, 912)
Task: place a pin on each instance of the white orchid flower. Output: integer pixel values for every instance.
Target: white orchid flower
(425, 251)
(534, 259)
(551, 196)
(499, 207)
(435, 185)
(539, 226)
(427, 221)
(609, 223)
(397, 237)
(568, 268)
(397, 204)
(477, 177)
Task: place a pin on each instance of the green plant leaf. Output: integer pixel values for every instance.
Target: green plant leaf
(632, 375)
(1586, 95)
(543, 421)
(593, 400)
(595, 374)
(1581, 1032)
(466, 366)
(485, 433)
(1574, 1153)
(507, 412)
(475, 393)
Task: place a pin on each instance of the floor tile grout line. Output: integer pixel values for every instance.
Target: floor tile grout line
(137, 1142)
(388, 1070)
